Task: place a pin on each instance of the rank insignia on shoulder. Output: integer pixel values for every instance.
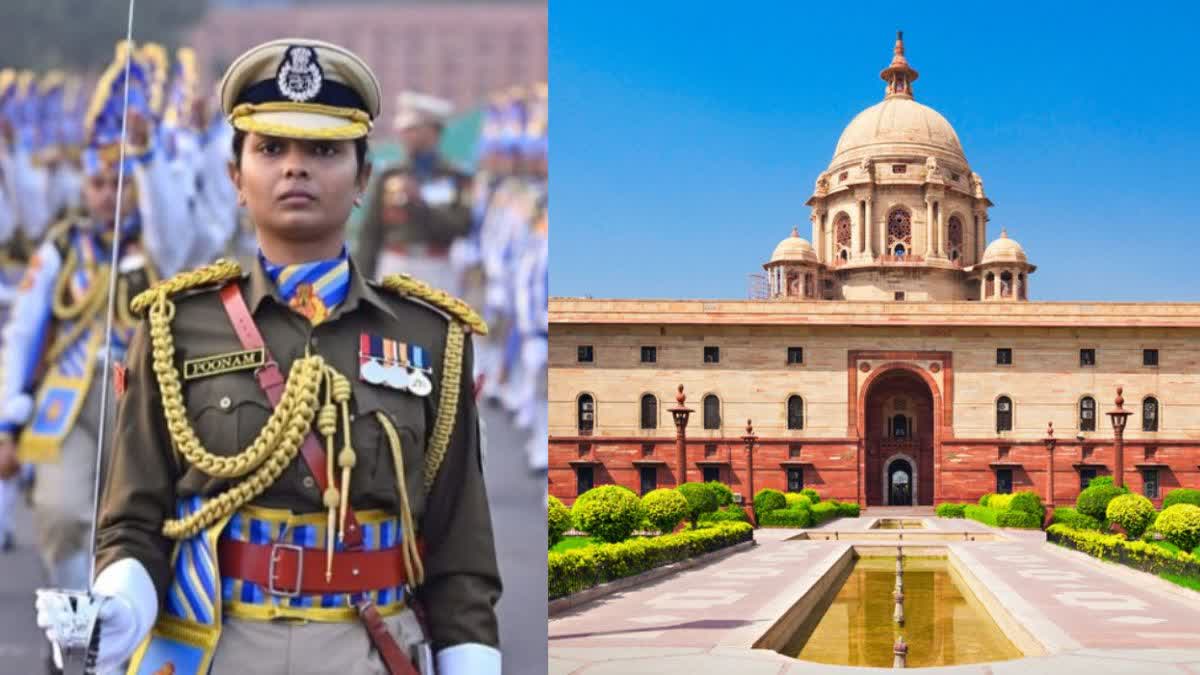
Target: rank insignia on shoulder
(393, 364)
(218, 364)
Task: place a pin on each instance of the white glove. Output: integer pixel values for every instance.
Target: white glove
(127, 612)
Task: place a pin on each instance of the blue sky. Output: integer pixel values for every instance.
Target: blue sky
(687, 136)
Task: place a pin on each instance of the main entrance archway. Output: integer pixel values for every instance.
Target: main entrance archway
(899, 439)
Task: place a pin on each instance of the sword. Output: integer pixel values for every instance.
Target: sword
(76, 612)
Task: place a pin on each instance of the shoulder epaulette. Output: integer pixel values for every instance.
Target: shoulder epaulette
(406, 286)
(217, 273)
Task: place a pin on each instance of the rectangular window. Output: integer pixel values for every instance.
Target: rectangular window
(1085, 477)
(712, 354)
(1150, 483)
(1004, 356)
(649, 475)
(647, 449)
(1150, 357)
(711, 474)
(586, 354)
(795, 477)
(1003, 481)
(899, 295)
(794, 451)
(899, 168)
(649, 354)
(710, 449)
(584, 479)
(1087, 357)
(795, 355)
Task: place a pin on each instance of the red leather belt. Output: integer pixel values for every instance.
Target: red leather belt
(287, 570)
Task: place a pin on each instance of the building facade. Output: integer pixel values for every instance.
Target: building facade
(893, 359)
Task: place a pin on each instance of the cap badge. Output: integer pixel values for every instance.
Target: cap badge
(300, 76)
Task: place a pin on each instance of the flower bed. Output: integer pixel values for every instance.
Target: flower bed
(583, 568)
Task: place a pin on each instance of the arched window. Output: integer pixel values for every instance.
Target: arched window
(1149, 414)
(1004, 414)
(899, 232)
(712, 412)
(1021, 289)
(1087, 414)
(841, 233)
(954, 237)
(989, 285)
(586, 409)
(649, 411)
(795, 412)
(899, 426)
(1006, 283)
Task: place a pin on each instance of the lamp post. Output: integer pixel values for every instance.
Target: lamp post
(1050, 442)
(680, 414)
(749, 439)
(1119, 416)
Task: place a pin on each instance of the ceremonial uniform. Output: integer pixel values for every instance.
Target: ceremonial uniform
(407, 235)
(296, 464)
(52, 354)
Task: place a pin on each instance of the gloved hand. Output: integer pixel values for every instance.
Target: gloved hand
(128, 608)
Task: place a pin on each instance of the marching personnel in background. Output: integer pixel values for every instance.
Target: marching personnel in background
(257, 522)
(419, 207)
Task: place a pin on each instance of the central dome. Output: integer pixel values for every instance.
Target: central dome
(899, 125)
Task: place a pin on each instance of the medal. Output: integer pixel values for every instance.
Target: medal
(419, 383)
(396, 377)
(372, 371)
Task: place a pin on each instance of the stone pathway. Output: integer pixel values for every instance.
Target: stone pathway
(1093, 617)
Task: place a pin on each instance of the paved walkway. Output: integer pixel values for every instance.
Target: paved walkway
(1091, 617)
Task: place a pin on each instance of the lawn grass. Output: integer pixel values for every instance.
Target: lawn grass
(1180, 580)
(569, 543)
(1166, 545)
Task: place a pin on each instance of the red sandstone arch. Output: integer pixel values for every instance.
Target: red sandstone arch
(866, 472)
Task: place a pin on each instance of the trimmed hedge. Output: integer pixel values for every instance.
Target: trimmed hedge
(609, 513)
(1002, 518)
(578, 569)
(787, 518)
(1181, 496)
(796, 500)
(812, 495)
(1137, 554)
(948, 510)
(665, 509)
(722, 491)
(768, 500)
(729, 514)
(1029, 502)
(1074, 519)
(824, 512)
(1094, 500)
(847, 509)
(1133, 512)
(558, 520)
(1000, 502)
(1180, 524)
(1100, 480)
(701, 499)
(983, 501)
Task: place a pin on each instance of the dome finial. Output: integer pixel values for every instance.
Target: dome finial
(1004, 233)
(899, 75)
(795, 231)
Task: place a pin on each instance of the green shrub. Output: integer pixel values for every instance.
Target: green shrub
(701, 499)
(823, 512)
(732, 513)
(787, 518)
(558, 520)
(664, 509)
(768, 500)
(609, 513)
(1029, 502)
(578, 569)
(983, 501)
(812, 495)
(722, 491)
(796, 500)
(982, 514)
(848, 509)
(1133, 512)
(1146, 556)
(1180, 524)
(1000, 502)
(948, 510)
(1181, 496)
(1011, 518)
(1100, 480)
(1074, 519)
(1094, 500)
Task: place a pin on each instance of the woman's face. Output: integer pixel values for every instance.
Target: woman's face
(100, 195)
(298, 190)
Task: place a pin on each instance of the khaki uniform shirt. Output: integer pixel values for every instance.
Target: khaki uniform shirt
(438, 222)
(227, 410)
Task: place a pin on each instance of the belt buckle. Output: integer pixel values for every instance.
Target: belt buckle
(299, 551)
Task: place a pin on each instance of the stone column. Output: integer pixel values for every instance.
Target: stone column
(869, 230)
(928, 227)
(982, 286)
(855, 232)
(941, 231)
(996, 285)
(818, 235)
(1016, 287)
